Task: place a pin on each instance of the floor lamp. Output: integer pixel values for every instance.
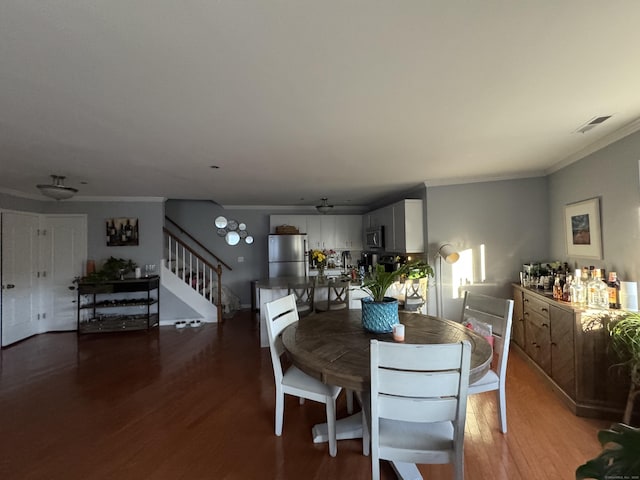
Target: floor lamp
(447, 253)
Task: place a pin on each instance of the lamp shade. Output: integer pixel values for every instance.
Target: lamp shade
(448, 253)
(56, 189)
(324, 207)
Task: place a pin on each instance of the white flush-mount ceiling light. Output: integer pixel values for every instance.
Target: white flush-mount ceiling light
(324, 207)
(56, 189)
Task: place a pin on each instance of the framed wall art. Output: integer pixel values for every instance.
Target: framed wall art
(122, 232)
(583, 230)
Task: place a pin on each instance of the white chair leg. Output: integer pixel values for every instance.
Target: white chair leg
(366, 436)
(458, 466)
(279, 411)
(331, 426)
(375, 466)
(349, 394)
(502, 409)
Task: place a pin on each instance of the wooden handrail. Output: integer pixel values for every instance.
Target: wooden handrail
(182, 230)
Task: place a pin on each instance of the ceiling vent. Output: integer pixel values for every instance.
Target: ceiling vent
(593, 123)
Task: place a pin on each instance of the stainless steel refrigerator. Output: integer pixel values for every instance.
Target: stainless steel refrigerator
(288, 256)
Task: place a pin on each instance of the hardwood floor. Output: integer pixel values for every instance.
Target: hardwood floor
(199, 404)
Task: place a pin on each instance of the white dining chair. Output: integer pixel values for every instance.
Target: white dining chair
(280, 314)
(419, 403)
(498, 313)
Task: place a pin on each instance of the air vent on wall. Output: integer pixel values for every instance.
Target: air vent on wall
(594, 122)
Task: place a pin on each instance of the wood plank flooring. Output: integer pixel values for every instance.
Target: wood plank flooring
(199, 404)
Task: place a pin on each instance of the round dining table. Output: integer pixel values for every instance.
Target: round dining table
(334, 348)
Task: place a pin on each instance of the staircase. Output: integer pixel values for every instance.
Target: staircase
(192, 278)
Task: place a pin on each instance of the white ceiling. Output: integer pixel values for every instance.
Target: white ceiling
(298, 99)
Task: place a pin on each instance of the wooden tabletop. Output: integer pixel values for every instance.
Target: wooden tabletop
(334, 348)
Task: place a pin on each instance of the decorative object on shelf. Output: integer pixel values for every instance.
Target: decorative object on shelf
(583, 230)
(113, 269)
(380, 313)
(620, 456)
(324, 207)
(122, 232)
(448, 253)
(232, 231)
(57, 189)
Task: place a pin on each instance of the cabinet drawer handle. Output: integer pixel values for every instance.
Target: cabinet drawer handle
(526, 300)
(545, 325)
(544, 310)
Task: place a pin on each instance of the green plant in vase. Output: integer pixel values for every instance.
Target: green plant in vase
(380, 313)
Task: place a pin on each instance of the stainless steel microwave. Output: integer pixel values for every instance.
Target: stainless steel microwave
(374, 238)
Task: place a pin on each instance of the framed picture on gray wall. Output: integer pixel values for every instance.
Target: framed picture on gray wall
(583, 230)
(122, 232)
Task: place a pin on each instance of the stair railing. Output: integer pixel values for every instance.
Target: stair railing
(193, 269)
(195, 240)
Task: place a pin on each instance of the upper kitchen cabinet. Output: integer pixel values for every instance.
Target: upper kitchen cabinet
(321, 231)
(408, 234)
(338, 232)
(348, 232)
(403, 226)
(298, 221)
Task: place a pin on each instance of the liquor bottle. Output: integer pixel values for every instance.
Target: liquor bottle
(557, 288)
(598, 291)
(566, 289)
(613, 288)
(577, 289)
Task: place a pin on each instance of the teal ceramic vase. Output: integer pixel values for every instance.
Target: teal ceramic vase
(379, 317)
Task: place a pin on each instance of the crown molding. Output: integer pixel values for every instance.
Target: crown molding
(619, 134)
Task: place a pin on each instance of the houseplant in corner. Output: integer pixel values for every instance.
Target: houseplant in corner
(619, 458)
(625, 342)
(380, 313)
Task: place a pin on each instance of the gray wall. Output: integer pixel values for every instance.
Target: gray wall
(150, 221)
(610, 174)
(508, 217)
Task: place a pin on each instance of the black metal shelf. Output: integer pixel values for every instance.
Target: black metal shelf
(97, 296)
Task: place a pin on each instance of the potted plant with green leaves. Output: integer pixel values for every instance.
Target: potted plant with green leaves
(619, 458)
(379, 312)
(625, 342)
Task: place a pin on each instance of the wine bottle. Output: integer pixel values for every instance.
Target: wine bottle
(613, 288)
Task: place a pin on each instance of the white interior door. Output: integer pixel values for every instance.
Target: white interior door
(64, 253)
(19, 276)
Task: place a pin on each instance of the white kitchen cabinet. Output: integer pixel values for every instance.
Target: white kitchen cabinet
(383, 217)
(324, 232)
(408, 221)
(403, 225)
(298, 221)
(321, 231)
(348, 232)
